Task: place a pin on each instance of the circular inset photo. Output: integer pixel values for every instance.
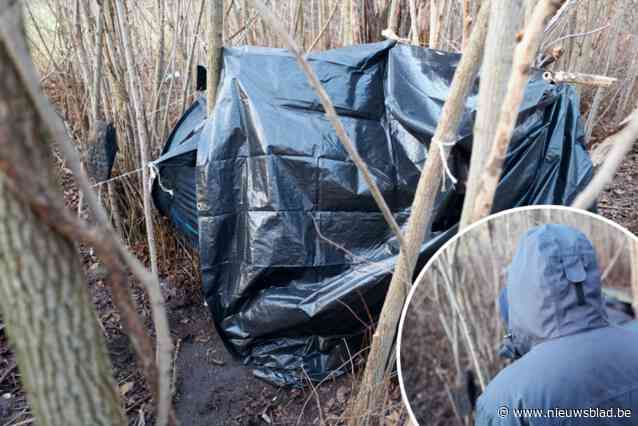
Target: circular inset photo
(524, 318)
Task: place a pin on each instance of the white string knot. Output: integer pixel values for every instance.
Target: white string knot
(442, 146)
(155, 174)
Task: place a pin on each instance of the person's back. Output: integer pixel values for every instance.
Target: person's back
(575, 367)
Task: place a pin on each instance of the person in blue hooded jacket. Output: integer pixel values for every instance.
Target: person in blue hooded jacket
(573, 365)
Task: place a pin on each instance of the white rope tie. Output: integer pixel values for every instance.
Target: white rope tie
(446, 168)
(118, 177)
(154, 173)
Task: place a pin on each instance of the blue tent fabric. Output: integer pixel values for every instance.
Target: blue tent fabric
(176, 167)
(571, 356)
(295, 255)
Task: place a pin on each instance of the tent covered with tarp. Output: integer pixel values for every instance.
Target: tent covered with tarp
(295, 255)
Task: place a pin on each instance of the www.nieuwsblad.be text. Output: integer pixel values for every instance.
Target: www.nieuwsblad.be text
(584, 413)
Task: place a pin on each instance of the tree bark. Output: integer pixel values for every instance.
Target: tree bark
(393, 16)
(467, 22)
(215, 45)
(437, 8)
(505, 20)
(45, 303)
(346, 22)
(529, 10)
(414, 27)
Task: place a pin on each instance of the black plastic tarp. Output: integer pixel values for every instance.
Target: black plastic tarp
(295, 255)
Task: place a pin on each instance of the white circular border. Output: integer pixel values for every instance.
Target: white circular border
(515, 210)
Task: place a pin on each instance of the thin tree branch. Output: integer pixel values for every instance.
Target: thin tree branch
(621, 143)
(325, 27)
(579, 78)
(568, 36)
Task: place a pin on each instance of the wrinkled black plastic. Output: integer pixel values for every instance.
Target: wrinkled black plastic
(176, 167)
(295, 256)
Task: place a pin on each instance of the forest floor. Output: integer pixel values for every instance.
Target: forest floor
(618, 202)
(213, 388)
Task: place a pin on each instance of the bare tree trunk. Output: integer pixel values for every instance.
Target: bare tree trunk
(414, 27)
(371, 389)
(505, 20)
(346, 22)
(215, 44)
(632, 75)
(523, 59)
(467, 22)
(393, 16)
(529, 9)
(44, 300)
(437, 8)
(423, 22)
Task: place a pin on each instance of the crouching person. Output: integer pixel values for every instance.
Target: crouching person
(572, 365)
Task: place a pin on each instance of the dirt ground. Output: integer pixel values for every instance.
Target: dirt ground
(212, 388)
(618, 202)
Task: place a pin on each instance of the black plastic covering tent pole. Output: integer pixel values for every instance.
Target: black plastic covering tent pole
(295, 256)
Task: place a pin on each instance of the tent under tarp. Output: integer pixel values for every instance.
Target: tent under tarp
(295, 255)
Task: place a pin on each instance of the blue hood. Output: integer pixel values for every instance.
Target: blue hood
(553, 288)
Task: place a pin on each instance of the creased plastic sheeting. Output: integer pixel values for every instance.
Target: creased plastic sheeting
(176, 167)
(295, 255)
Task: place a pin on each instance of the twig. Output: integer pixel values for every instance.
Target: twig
(568, 36)
(621, 143)
(613, 261)
(464, 325)
(556, 17)
(325, 27)
(8, 371)
(24, 422)
(316, 394)
(246, 27)
(579, 78)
